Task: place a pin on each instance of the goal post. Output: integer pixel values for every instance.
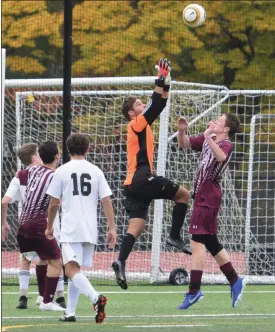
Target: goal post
(96, 107)
(259, 256)
(3, 74)
(158, 204)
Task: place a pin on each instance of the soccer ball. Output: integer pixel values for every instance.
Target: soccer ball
(194, 15)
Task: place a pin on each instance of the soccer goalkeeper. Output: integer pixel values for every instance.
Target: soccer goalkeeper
(141, 185)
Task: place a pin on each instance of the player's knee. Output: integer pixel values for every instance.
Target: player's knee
(55, 264)
(182, 195)
(197, 247)
(24, 263)
(71, 268)
(213, 245)
(42, 262)
(136, 226)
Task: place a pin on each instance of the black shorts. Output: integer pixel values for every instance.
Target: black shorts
(143, 190)
(210, 241)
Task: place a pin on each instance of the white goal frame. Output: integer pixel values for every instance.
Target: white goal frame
(249, 185)
(3, 74)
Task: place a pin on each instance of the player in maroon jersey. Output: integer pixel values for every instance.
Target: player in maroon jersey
(216, 149)
(33, 220)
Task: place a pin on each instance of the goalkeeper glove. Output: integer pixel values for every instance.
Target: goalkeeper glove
(167, 80)
(164, 76)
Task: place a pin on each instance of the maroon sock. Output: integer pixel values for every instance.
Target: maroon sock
(195, 281)
(50, 288)
(228, 270)
(41, 271)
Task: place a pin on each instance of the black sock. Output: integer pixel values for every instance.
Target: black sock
(179, 213)
(126, 247)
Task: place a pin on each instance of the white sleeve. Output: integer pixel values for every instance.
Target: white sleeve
(104, 189)
(13, 191)
(55, 187)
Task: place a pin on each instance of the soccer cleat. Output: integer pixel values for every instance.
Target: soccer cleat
(61, 301)
(39, 299)
(119, 270)
(237, 291)
(68, 317)
(51, 306)
(99, 308)
(179, 244)
(190, 299)
(22, 303)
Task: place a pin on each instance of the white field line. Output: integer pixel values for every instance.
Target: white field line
(164, 292)
(158, 326)
(153, 316)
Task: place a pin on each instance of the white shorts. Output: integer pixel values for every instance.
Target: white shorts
(30, 256)
(82, 253)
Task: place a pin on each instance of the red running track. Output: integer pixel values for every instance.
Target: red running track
(141, 261)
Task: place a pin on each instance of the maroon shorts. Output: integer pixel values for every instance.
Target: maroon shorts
(204, 220)
(45, 249)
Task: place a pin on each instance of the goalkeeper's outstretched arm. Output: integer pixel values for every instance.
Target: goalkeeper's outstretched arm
(161, 93)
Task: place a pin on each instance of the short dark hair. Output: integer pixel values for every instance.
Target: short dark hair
(128, 106)
(47, 151)
(78, 144)
(25, 153)
(233, 123)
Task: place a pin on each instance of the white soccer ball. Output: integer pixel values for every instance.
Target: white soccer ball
(194, 15)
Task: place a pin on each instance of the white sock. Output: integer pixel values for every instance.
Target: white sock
(24, 278)
(60, 287)
(83, 284)
(73, 295)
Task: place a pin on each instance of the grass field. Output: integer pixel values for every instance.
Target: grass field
(150, 308)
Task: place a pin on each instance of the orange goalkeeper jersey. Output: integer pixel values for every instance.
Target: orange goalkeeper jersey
(140, 138)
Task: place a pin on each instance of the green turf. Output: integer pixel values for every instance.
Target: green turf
(153, 311)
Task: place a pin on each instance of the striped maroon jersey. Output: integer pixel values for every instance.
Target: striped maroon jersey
(210, 171)
(33, 219)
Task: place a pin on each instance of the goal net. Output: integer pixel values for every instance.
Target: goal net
(244, 231)
(33, 113)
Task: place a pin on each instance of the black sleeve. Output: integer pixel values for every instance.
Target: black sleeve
(154, 107)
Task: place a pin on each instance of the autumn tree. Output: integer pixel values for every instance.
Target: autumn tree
(235, 46)
(31, 33)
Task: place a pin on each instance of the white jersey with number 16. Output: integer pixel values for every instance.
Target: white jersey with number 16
(79, 185)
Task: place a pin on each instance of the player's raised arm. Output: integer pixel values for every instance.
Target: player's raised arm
(217, 151)
(160, 95)
(183, 139)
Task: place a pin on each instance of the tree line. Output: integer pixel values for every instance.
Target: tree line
(235, 46)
